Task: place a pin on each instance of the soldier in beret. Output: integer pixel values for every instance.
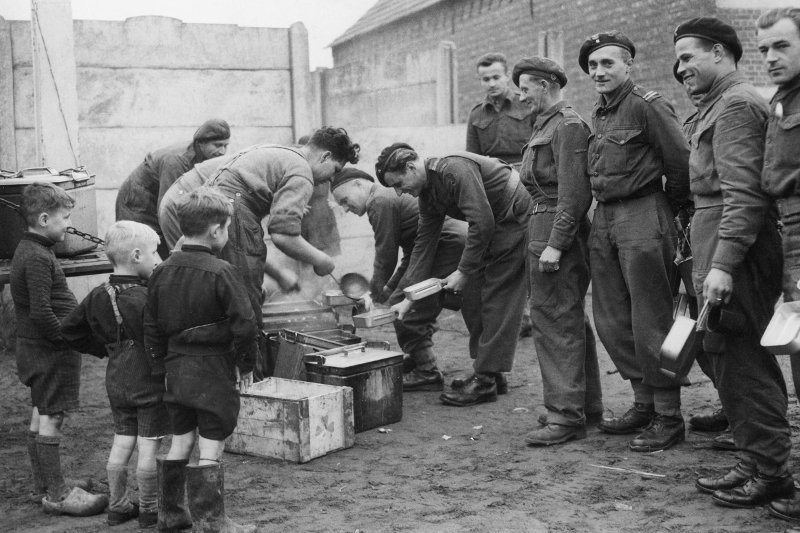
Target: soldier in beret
(779, 43)
(394, 221)
(500, 125)
(554, 174)
(737, 261)
(637, 140)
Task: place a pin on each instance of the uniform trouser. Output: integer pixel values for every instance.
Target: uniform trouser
(247, 251)
(415, 331)
(494, 298)
(632, 244)
(790, 217)
(562, 334)
(749, 380)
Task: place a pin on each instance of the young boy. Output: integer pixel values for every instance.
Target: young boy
(200, 324)
(44, 363)
(109, 322)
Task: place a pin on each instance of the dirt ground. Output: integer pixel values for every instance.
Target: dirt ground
(441, 469)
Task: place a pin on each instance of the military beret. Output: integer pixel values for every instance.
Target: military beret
(711, 29)
(599, 40)
(539, 66)
(349, 174)
(215, 129)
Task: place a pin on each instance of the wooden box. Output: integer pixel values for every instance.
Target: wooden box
(293, 420)
(376, 376)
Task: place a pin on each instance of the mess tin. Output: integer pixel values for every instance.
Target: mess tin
(423, 289)
(682, 344)
(335, 298)
(374, 318)
(782, 336)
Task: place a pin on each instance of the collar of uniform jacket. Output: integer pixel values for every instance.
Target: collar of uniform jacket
(720, 85)
(507, 96)
(787, 89)
(622, 92)
(542, 118)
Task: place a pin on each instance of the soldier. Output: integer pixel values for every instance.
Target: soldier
(500, 125)
(779, 44)
(487, 194)
(394, 220)
(554, 173)
(637, 140)
(737, 261)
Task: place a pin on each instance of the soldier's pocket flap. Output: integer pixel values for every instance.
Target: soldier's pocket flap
(537, 247)
(622, 136)
(541, 140)
(213, 333)
(790, 121)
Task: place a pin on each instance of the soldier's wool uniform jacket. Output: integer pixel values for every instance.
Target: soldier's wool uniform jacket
(781, 175)
(500, 132)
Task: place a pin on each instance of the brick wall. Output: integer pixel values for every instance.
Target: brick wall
(513, 27)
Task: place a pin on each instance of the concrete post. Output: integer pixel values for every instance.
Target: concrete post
(301, 80)
(445, 84)
(54, 84)
(318, 97)
(8, 136)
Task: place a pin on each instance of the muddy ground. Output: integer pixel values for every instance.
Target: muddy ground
(482, 478)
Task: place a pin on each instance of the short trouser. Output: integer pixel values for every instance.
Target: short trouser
(52, 373)
(210, 426)
(149, 421)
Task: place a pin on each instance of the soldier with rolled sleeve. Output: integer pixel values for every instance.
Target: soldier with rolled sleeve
(554, 173)
(637, 140)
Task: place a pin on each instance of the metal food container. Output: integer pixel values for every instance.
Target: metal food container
(374, 318)
(335, 298)
(782, 336)
(682, 344)
(420, 290)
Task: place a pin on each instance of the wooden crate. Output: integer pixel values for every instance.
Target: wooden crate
(293, 420)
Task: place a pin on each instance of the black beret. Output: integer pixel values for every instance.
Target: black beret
(711, 29)
(539, 66)
(215, 129)
(349, 174)
(599, 40)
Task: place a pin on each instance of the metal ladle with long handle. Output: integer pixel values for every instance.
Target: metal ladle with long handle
(352, 285)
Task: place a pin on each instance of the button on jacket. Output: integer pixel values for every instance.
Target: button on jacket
(637, 140)
(500, 132)
(781, 176)
(554, 170)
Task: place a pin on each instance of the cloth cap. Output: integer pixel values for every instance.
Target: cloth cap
(539, 66)
(599, 40)
(215, 129)
(349, 174)
(711, 29)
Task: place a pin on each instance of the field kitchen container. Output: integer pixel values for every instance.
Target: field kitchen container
(78, 184)
(293, 420)
(294, 345)
(375, 374)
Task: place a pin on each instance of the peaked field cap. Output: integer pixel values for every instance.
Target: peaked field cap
(600, 40)
(349, 174)
(539, 66)
(214, 129)
(711, 29)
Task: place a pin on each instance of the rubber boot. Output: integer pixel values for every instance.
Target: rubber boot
(120, 507)
(205, 486)
(172, 513)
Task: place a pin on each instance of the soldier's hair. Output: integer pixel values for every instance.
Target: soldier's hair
(38, 198)
(393, 158)
(771, 17)
(337, 142)
(487, 60)
(126, 235)
(201, 209)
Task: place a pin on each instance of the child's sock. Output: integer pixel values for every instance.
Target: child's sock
(39, 484)
(118, 500)
(148, 490)
(50, 462)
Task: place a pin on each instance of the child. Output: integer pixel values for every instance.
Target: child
(200, 324)
(109, 322)
(44, 363)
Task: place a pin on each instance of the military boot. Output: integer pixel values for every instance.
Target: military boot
(499, 379)
(787, 509)
(423, 380)
(714, 423)
(738, 475)
(172, 514)
(205, 486)
(635, 419)
(477, 389)
(662, 433)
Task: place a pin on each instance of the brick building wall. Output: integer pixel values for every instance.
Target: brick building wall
(517, 28)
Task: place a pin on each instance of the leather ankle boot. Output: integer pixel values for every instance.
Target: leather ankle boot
(786, 508)
(662, 433)
(499, 379)
(738, 475)
(715, 422)
(477, 389)
(634, 420)
(758, 490)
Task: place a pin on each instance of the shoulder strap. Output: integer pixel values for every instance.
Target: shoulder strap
(112, 294)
